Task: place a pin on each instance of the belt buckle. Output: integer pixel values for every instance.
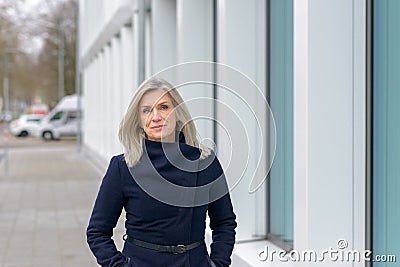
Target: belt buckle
(181, 249)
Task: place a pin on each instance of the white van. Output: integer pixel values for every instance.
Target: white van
(61, 121)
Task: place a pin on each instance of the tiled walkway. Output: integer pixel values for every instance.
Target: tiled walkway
(45, 204)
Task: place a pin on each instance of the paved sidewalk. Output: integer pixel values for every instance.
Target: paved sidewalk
(45, 204)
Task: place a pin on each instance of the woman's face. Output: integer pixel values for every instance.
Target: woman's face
(157, 116)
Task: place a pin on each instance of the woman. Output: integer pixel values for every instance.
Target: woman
(166, 183)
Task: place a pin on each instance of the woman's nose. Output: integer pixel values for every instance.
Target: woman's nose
(155, 116)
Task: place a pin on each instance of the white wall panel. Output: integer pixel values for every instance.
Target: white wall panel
(98, 91)
(163, 33)
(301, 140)
(148, 45)
(359, 124)
(106, 106)
(330, 111)
(92, 22)
(88, 123)
(86, 84)
(238, 47)
(136, 52)
(116, 92)
(127, 69)
(328, 160)
(195, 43)
(111, 6)
(100, 114)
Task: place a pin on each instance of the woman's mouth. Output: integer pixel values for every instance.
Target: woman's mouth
(159, 127)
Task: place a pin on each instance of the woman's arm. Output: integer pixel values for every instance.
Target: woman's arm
(222, 224)
(105, 214)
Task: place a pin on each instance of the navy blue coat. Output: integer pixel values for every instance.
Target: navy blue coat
(153, 221)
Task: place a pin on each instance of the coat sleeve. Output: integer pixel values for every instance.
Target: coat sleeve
(222, 223)
(104, 218)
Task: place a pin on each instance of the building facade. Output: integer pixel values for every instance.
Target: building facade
(329, 71)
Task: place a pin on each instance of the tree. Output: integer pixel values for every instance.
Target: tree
(34, 72)
(9, 38)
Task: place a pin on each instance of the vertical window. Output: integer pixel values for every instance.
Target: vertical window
(386, 129)
(280, 226)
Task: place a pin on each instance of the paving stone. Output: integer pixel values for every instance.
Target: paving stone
(46, 203)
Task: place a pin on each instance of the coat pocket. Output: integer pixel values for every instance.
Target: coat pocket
(127, 262)
(212, 264)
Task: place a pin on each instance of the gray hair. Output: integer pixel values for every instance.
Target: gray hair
(132, 136)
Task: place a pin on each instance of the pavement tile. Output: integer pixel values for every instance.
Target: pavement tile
(46, 203)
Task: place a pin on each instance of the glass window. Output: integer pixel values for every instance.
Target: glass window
(57, 116)
(386, 129)
(72, 115)
(280, 189)
(33, 120)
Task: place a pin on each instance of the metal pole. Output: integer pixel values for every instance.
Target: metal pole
(60, 61)
(78, 83)
(142, 40)
(6, 112)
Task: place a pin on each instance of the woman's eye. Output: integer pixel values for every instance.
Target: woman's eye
(164, 107)
(146, 111)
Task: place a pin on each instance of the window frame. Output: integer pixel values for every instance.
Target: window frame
(369, 127)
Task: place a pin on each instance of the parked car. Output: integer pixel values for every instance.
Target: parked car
(27, 124)
(61, 121)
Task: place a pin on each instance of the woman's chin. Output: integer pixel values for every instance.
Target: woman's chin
(167, 137)
(162, 137)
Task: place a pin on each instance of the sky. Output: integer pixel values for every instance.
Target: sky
(30, 5)
(33, 45)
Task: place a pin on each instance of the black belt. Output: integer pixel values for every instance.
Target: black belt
(178, 249)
